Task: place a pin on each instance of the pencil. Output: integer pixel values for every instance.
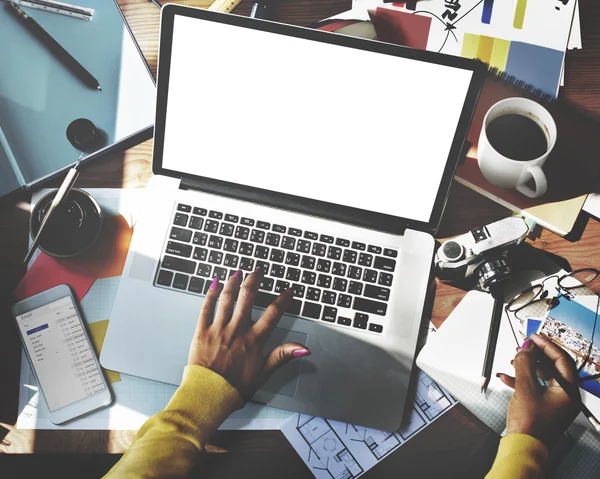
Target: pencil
(497, 292)
(59, 52)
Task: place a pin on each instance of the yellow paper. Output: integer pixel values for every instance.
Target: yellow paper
(97, 332)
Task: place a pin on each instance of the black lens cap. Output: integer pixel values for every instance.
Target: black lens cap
(82, 133)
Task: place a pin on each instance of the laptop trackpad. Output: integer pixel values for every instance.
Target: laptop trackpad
(285, 379)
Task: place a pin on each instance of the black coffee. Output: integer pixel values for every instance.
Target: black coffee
(517, 137)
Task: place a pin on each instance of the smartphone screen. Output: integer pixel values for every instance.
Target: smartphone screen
(60, 353)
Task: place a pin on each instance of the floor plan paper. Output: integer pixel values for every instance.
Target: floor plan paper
(136, 399)
(333, 449)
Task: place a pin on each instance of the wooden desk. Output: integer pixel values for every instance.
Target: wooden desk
(460, 445)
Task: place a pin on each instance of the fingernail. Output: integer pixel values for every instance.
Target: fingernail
(236, 274)
(526, 344)
(215, 283)
(289, 290)
(300, 353)
(498, 375)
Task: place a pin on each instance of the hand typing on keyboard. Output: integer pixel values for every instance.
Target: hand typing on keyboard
(229, 343)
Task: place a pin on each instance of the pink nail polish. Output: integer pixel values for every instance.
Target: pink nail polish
(236, 274)
(215, 283)
(300, 353)
(526, 344)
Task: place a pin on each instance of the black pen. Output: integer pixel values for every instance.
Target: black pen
(497, 292)
(61, 54)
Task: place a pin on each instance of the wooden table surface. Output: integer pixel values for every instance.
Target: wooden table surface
(460, 444)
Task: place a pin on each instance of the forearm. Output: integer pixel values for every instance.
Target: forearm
(171, 442)
(519, 457)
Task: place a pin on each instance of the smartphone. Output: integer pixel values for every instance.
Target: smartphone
(61, 355)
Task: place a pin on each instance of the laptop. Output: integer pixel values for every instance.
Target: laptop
(324, 160)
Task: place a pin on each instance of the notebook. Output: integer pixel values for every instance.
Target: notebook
(39, 97)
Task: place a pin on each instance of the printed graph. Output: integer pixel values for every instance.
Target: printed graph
(486, 14)
(520, 14)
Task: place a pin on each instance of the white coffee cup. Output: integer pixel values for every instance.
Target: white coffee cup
(505, 172)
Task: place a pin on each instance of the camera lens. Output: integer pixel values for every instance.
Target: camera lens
(452, 251)
(492, 271)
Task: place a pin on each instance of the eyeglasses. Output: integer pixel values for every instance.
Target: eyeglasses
(534, 302)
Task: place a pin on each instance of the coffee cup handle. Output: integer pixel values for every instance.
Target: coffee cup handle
(541, 185)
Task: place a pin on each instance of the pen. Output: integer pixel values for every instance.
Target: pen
(497, 292)
(61, 194)
(61, 54)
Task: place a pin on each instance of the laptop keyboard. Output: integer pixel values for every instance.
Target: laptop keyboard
(335, 280)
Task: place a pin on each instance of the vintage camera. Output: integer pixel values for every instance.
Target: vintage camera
(481, 252)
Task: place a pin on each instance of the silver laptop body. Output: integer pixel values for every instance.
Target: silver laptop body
(361, 273)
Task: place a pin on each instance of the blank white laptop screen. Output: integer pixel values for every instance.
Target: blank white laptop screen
(321, 121)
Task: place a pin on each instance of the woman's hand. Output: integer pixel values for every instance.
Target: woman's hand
(544, 413)
(231, 344)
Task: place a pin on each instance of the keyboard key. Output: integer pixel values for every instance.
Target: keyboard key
(261, 252)
(295, 232)
(211, 226)
(232, 218)
(247, 222)
(377, 292)
(184, 208)
(349, 256)
(295, 307)
(303, 246)
(314, 294)
(196, 284)
(342, 242)
(226, 229)
(273, 239)
(339, 269)
(277, 255)
(181, 281)
(257, 236)
(179, 249)
(200, 238)
(365, 259)
(354, 272)
(298, 290)
(215, 214)
(180, 234)
(370, 275)
(200, 211)
(355, 288)
(323, 265)
(279, 229)
(340, 284)
(308, 262)
(220, 273)
(247, 264)
(293, 274)
(292, 259)
(360, 321)
(196, 222)
(385, 279)
(215, 257)
(263, 225)
(384, 263)
(376, 328)
(359, 246)
(164, 277)
(308, 277)
(180, 219)
(263, 300)
(344, 301)
(344, 321)
(324, 281)
(288, 242)
(246, 248)
(242, 233)
(281, 286)
(334, 253)
(392, 253)
(328, 297)
(374, 249)
(267, 284)
(310, 235)
(204, 270)
(263, 265)
(326, 239)
(231, 245)
(319, 249)
(329, 314)
(179, 264)
(200, 254)
(215, 242)
(207, 286)
(277, 270)
(231, 261)
(369, 306)
(311, 310)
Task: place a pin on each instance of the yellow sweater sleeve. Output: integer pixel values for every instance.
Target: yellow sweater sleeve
(169, 444)
(519, 457)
